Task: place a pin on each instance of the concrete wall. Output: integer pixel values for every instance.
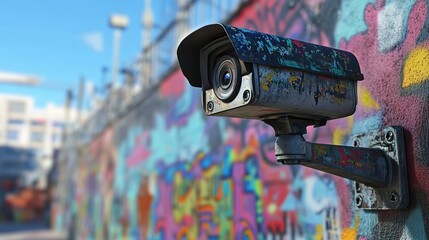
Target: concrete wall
(168, 172)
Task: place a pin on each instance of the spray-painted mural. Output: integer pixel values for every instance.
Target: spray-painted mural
(165, 171)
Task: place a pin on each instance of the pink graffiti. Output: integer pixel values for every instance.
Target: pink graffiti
(174, 85)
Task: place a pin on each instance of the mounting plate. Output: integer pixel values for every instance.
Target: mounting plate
(395, 195)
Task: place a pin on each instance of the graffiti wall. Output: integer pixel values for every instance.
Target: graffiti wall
(166, 171)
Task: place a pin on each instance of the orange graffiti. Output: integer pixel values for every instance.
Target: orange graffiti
(144, 204)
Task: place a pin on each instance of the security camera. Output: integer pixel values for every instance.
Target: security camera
(290, 85)
(249, 74)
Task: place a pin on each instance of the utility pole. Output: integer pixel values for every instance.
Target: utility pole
(118, 23)
(81, 95)
(147, 22)
(182, 22)
(67, 103)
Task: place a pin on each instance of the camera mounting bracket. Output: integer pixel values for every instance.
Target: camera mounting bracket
(395, 195)
(376, 162)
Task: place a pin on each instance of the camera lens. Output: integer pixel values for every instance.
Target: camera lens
(227, 78)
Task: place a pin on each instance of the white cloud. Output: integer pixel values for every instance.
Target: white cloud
(94, 40)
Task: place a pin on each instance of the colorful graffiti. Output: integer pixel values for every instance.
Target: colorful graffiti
(165, 171)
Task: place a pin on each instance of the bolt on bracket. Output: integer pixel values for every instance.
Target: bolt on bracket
(395, 194)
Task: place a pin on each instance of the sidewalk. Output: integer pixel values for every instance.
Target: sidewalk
(28, 231)
(34, 235)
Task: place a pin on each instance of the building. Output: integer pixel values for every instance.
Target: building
(23, 126)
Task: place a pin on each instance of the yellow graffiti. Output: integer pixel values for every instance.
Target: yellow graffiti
(267, 82)
(416, 67)
(185, 198)
(339, 134)
(204, 195)
(351, 233)
(366, 99)
(248, 233)
(368, 102)
(320, 150)
(319, 232)
(243, 154)
(334, 91)
(346, 233)
(341, 88)
(272, 208)
(293, 80)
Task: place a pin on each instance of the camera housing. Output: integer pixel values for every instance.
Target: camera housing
(249, 74)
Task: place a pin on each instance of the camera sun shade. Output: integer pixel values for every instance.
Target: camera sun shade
(264, 49)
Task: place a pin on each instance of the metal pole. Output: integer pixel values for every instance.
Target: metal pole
(80, 100)
(69, 97)
(147, 22)
(104, 83)
(116, 48)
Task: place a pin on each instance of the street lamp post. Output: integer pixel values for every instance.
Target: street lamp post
(118, 23)
(147, 22)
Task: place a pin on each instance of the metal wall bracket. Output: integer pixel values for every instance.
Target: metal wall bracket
(376, 162)
(395, 194)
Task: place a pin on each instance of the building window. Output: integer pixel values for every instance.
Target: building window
(56, 138)
(16, 107)
(12, 135)
(37, 123)
(15, 122)
(58, 124)
(37, 137)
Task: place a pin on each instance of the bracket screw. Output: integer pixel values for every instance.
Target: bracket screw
(394, 197)
(356, 143)
(359, 201)
(210, 106)
(246, 95)
(390, 136)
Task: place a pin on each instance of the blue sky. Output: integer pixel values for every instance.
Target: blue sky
(60, 41)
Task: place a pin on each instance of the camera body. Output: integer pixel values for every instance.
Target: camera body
(249, 74)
